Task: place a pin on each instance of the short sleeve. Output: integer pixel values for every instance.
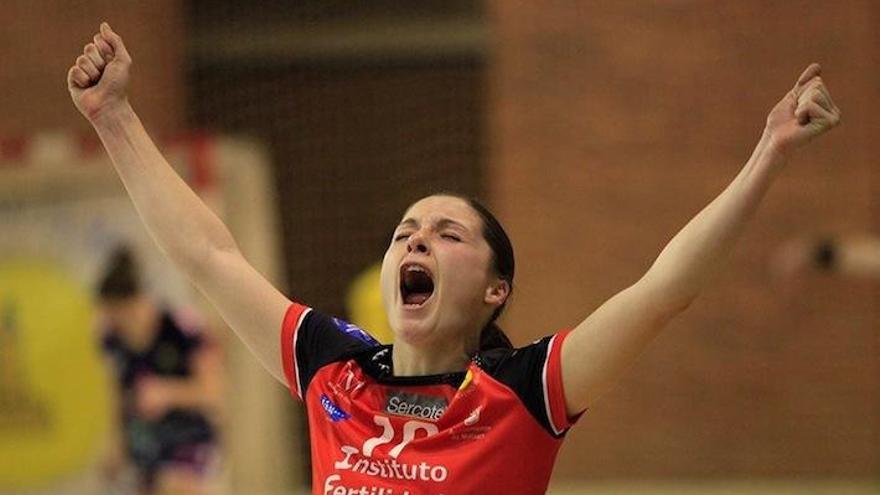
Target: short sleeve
(534, 373)
(311, 340)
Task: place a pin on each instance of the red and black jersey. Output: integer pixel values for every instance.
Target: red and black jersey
(493, 428)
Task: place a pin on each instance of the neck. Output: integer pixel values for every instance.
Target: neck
(410, 360)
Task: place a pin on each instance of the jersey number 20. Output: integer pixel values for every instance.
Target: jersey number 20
(409, 434)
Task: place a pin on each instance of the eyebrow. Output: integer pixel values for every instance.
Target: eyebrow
(443, 222)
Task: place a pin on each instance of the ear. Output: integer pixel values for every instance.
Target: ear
(497, 293)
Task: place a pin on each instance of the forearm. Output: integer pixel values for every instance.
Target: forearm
(603, 345)
(187, 231)
(177, 219)
(701, 249)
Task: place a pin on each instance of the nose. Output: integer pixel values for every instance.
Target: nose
(417, 242)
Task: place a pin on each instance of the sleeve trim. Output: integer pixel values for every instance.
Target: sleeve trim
(293, 319)
(557, 431)
(554, 397)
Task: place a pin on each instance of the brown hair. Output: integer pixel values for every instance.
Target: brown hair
(120, 279)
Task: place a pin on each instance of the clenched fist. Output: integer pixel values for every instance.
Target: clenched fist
(804, 113)
(99, 79)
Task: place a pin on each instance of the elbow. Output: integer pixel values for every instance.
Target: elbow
(200, 265)
(664, 300)
(194, 251)
(675, 306)
(680, 306)
(662, 315)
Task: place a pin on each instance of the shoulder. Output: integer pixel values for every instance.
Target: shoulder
(533, 374)
(311, 340)
(317, 325)
(186, 320)
(511, 361)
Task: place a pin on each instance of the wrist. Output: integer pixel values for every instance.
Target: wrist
(112, 114)
(774, 155)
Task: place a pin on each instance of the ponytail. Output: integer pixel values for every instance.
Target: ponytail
(492, 337)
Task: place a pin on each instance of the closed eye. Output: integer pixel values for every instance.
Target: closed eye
(401, 237)
(451, 237)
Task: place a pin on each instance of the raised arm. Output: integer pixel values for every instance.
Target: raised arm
(608, 341)
(185, 229)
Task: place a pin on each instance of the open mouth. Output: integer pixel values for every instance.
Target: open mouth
(416, 285)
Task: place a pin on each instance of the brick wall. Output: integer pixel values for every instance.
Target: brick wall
(41, 39)
(612, 124)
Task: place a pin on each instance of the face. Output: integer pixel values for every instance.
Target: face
(437, 282)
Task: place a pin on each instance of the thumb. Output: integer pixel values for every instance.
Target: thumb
(115, 42)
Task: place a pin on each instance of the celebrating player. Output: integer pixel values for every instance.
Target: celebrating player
(451, 404)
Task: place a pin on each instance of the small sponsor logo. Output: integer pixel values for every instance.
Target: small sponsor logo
(473, 417)
(471, 433)
(415, 405)
(471, 428)
(335, 412)
(355, 331)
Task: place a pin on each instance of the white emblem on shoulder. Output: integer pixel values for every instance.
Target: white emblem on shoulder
(473, 417)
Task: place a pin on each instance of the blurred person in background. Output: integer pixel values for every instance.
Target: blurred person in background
(856, 255)
(451, 407)
(168, 389)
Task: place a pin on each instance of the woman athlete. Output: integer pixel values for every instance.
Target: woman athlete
(440, 412)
